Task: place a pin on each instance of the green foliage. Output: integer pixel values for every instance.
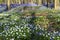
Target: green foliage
(18, 26)
(13, 26)
(41, 20)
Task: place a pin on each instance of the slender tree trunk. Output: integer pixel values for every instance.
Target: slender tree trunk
(47, 3)
(56, 2)
(39, 2)
(22, 1)
(19, 1)
(31, 1)
(8, 4)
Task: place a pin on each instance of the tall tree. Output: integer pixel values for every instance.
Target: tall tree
(8, 4)
(19, 1)
(56, 2)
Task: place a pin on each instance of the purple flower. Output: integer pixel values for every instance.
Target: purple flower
(28, 4)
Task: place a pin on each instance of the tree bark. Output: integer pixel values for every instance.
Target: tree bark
(8, 4)
(56, 2)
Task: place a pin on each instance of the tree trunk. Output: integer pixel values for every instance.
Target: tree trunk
(8, 4)
(39, 2)
(56, 2)
(19, 1)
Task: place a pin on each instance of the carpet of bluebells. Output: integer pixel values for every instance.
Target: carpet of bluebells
(4, 7)
(17, 25)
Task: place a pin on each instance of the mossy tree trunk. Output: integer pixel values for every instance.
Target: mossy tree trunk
(56, 2)
(1, 1)
(19, 1)
(8, 4)
(39, 2)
